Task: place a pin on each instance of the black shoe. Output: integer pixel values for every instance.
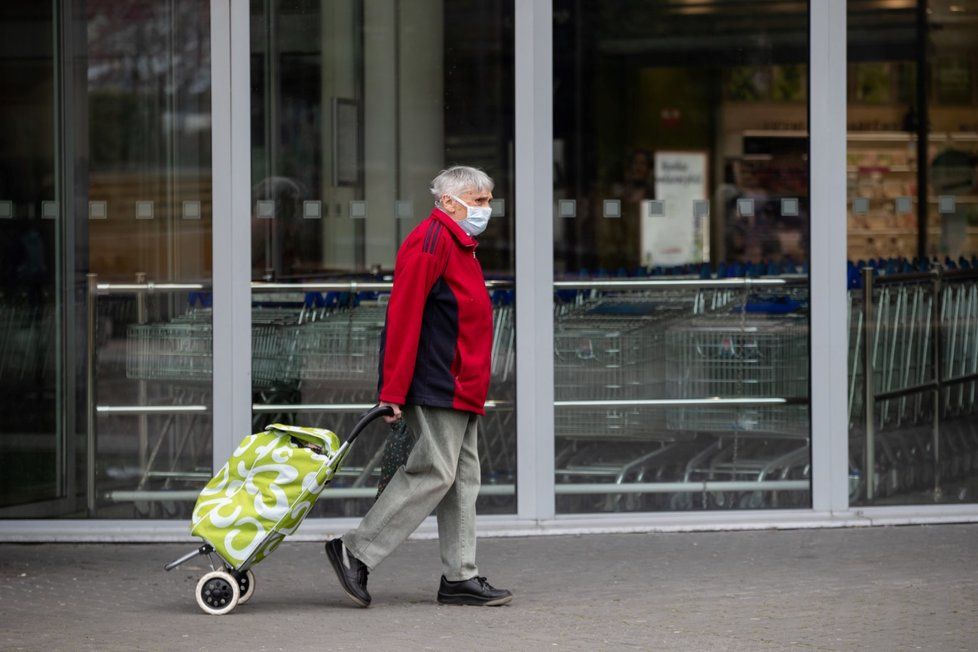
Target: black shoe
(351, 572)
(476, 591)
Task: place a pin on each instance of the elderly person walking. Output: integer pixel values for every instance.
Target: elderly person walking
(434, 371)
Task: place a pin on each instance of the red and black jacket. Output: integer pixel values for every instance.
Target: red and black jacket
(436, 346)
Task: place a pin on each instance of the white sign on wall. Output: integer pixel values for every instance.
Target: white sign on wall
(675, 227)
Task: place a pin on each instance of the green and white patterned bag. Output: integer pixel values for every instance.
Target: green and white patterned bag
(264, 491)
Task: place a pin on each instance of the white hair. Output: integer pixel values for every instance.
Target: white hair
(459, 179)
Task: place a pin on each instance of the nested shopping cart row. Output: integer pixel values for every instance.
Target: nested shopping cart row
(678, 388)
(675, 388)
(919, 336)
(288, 345)
(307, 351)
(623, 347)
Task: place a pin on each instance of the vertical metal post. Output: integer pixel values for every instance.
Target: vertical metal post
(535, 496)
(869, 387)
(273, 249)
(73, 254)
(923, 127)
(58, 42)
(938, 343)
(398, 158)
(90, 394)
(231, 242)
(143, 418)
(829, 333)
(170, 146)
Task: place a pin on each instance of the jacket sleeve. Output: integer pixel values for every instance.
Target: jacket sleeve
(416, 270)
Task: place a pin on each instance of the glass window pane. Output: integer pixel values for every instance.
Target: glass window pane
(31, 445)
(681, 160)
(355, 108)
(148, 221)
(913, 249)
(105, 179)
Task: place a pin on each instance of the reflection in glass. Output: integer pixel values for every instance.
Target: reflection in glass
(149, 178)
(104, 178)
(913, 242)
(149, 138)
(153, 349)
(681, 169)
(355, 108)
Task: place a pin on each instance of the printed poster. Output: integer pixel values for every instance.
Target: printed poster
(674, 232)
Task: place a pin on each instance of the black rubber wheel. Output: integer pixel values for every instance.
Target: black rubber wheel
(217, 593)
(246, 584)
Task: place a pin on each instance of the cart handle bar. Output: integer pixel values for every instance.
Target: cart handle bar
(368, 416)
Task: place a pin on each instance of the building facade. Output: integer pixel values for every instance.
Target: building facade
(711, 218)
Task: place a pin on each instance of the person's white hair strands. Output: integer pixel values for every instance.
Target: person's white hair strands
(458, 179)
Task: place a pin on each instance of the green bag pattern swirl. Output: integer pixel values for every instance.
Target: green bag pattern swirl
(264, 491)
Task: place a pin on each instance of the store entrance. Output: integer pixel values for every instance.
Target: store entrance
(105, 209)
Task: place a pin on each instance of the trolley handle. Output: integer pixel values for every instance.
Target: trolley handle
(368, 416)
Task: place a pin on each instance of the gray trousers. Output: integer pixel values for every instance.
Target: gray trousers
(442, 472)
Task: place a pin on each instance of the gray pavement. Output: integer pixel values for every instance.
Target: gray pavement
(844, 589)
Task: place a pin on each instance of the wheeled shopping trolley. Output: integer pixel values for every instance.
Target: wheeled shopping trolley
(257, 499)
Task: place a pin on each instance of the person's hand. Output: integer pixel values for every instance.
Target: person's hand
(397, 412)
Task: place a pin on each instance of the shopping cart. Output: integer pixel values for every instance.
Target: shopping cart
(177, 351)
(181, 350)
(732, 355)
(917, 332)
(273, 355)
(741, 355)
(608, 356)
(260, 496)
(343, 345)
(610, 349)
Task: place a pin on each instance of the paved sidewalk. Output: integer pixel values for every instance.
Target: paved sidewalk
(865, 588)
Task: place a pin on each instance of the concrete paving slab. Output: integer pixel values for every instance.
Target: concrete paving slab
(841, 589)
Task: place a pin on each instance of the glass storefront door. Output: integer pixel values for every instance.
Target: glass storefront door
(355, 107)
(105, 208)
(681, 246)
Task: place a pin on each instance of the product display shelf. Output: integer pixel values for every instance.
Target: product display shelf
(881, 168)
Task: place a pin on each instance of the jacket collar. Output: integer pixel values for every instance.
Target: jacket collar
(461, 236)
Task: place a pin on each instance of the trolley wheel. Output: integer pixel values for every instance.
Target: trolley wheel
(217, 593)
(246, 584)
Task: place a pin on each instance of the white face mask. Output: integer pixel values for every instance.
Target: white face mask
(476, 219)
